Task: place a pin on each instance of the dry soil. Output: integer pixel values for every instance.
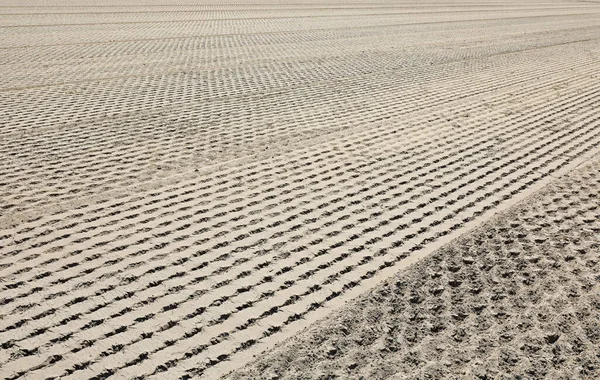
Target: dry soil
(186, 184)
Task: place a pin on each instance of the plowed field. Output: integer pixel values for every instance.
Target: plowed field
(184, 185)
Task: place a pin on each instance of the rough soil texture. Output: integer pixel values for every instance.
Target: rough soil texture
(517, 298)
(184, 185)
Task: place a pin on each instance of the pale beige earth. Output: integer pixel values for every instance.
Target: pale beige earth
(186, 186)
(517, 298)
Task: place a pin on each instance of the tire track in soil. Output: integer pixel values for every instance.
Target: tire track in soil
(98, 153)
(515, 297)
(191, 273)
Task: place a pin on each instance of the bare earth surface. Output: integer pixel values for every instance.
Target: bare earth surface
(184, 185)
(517, 298)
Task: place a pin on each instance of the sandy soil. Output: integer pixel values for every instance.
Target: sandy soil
(517, 298)
(185, 185)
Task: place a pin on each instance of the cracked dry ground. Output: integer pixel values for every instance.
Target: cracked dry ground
(185, 185)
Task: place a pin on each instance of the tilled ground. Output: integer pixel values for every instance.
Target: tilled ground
(183, 186)
(517, 298)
